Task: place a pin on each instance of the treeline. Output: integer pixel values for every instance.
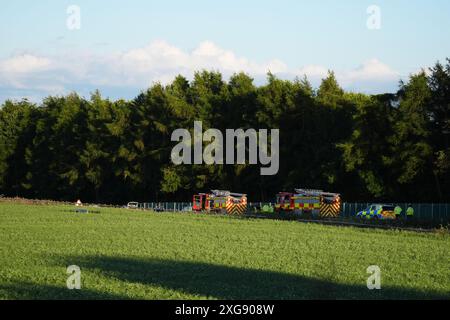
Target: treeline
(388, 147)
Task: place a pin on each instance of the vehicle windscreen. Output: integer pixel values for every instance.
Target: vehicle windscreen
(388, 208)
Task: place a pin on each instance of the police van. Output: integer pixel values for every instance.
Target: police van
(378, 211)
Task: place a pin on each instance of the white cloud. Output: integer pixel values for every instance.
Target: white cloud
(371, 70)
(372, 76)
(312, 71)
(25, 63)
(209, 56)
(160, 61)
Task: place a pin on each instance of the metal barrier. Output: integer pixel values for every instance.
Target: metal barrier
(436, 212)
(166, 206)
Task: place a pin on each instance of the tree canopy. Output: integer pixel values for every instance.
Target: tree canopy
(387, 147)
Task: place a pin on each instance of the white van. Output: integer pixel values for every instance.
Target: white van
(133, 205)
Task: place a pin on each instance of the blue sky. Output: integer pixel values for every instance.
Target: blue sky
(124, 46)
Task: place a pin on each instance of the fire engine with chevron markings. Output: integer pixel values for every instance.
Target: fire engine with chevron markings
(309, 202)
(220, 201)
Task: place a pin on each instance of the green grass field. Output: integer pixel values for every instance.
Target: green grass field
(125, 254)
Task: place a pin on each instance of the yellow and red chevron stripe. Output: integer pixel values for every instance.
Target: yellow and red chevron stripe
(236, 208)
(331, 210)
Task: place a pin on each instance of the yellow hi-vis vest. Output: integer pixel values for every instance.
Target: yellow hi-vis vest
(410, 211)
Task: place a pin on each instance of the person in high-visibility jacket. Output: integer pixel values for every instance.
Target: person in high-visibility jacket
(398, 212)
(409, 212)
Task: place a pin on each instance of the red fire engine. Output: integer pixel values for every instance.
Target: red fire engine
(220, 201)
(309, 201)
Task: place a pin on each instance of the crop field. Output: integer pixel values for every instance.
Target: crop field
(126, 254)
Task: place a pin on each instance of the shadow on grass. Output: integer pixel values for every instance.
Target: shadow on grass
(33, 291)
(225, 282)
